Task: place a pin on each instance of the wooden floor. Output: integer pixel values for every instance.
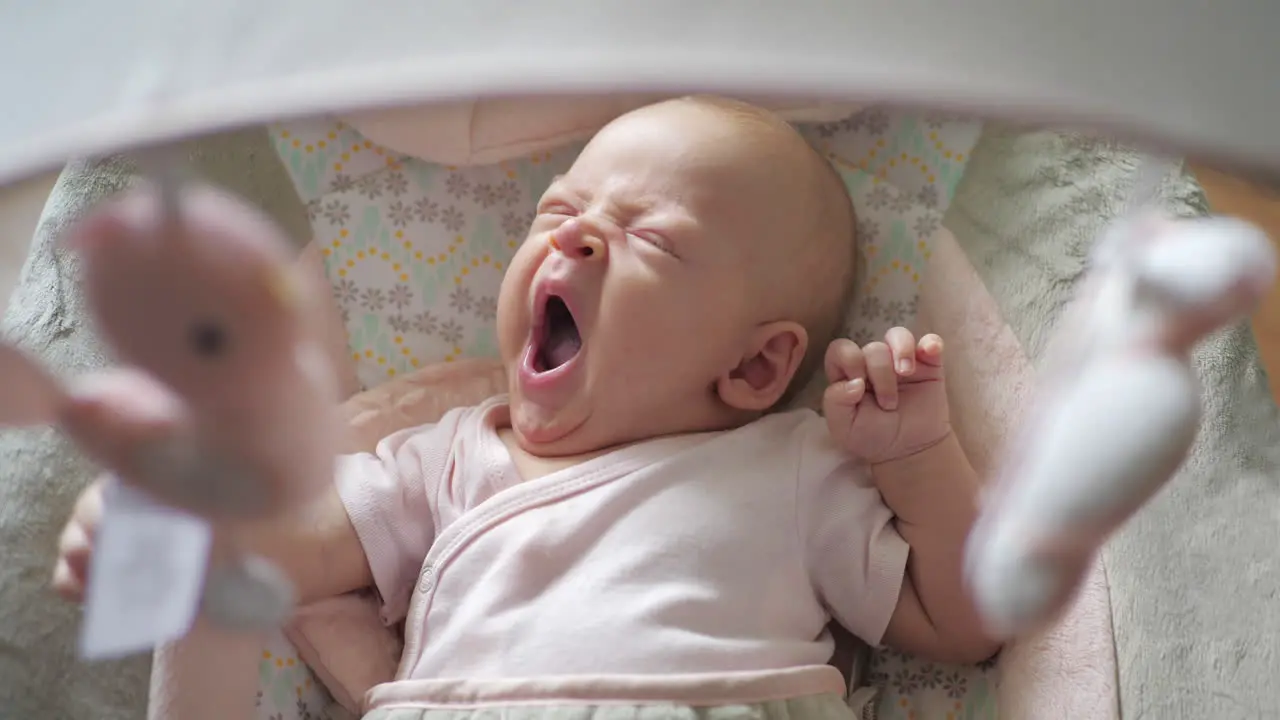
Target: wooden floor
(1229, 196)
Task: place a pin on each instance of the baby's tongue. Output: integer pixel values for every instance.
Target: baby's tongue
(561, 347)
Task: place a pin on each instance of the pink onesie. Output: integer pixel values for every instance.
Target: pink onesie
(718, 555)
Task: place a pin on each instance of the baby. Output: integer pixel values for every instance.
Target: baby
(638, 519)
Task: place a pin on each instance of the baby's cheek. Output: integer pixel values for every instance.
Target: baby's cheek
(513, 307)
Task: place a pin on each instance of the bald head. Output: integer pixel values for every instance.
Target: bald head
(805, 255)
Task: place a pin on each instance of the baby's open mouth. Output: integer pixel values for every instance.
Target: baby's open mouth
(560, 340)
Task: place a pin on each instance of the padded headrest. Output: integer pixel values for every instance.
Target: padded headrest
(482, 132)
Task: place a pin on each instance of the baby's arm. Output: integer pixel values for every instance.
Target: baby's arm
(372, 526)
(887, 407)
(316, 546)
(887, 578)
(933, 495)
(375, 524)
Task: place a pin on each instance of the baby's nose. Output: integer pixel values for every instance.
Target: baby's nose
(578, 240)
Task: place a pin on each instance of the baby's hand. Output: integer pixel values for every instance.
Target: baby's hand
(75, 547)
(886, 400)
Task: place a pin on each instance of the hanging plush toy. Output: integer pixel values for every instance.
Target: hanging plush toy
(223, 408)
(1118, 410)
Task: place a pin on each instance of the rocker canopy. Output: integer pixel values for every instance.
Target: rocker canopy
(87, 78)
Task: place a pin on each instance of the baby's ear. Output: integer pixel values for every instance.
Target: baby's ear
(773, 355)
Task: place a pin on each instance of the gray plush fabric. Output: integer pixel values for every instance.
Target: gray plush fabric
(41, 474)
(1192, 581)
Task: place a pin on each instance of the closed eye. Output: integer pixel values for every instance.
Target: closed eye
(557, 208)
(658, 241)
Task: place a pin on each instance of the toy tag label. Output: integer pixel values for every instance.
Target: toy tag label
(147, 575)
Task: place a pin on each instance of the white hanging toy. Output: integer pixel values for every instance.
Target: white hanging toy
(1118, 410)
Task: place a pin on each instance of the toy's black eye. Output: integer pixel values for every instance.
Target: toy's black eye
(208, 339)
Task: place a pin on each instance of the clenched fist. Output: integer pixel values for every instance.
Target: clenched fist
(886, 400)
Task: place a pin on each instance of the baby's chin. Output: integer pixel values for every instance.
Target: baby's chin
(570, 431)
(586, 420)
(544, 432)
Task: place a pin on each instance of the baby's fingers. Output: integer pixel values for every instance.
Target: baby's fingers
(881, 375)
(903, 346)
(844, 361)
(929, 351)
(67, 584)
(840, 406)
(88, 509)
(75, 547)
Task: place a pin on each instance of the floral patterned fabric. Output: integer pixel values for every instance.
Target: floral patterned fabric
(911, 689)
(415, 253)
(288, 690)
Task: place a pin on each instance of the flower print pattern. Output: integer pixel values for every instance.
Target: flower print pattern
(426, 209)
(905, 681)
(345, 291)
(452, 219)
(926, 689)
(871, 307)
(451, 331)
(288, 689)
(373, 299)
(398, 323)
(515, 224)
(399, 214)
(911, 308)
(879, 197)
(508, 193)
(396, 183)
(457, 186)
(867, 229)
(426, 323)
(485, 195)
(369, 187)
(341, 183)
(487, 308)
(928, 197)
(460, 299)
(877, 122)
(894, 313)
(400, 296)
(336, 212)
(929, 676)
(954, 683)
(314, 209)
(925, 225)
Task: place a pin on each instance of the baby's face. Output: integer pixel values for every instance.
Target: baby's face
(632, 291)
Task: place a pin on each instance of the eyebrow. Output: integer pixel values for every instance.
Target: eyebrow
(632, 208)
(557, 182)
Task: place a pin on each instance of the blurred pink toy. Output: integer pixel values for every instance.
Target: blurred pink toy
(224, 404)
(1118, 410)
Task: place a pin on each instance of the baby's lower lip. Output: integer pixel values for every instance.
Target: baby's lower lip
(546, 381)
